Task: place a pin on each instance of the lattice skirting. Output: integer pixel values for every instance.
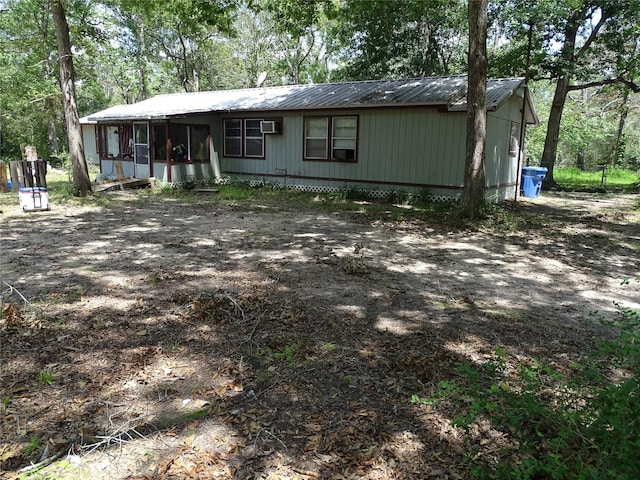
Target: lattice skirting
(372, 193)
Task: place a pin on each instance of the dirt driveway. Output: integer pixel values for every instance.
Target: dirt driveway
(164, 339)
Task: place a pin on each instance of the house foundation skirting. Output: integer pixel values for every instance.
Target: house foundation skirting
(369, 189)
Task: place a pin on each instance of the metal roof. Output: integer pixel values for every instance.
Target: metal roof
(446, 92)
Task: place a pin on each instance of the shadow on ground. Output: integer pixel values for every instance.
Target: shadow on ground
(202, 341)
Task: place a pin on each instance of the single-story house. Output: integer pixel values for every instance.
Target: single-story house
(376, 136)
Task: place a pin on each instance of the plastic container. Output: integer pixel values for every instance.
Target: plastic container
(34, 198)
(532, 178)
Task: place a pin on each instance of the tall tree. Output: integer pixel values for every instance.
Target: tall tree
(189, 33)
(400, 39)
(586, 43)
(298, 31)
(29, 89)
(474, 178)
(81, 181)
(620, 143)
(253, 47)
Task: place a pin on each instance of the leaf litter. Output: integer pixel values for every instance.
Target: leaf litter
(290, 350)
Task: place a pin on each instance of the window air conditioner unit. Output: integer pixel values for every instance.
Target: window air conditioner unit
(270, 126)
(344, 154)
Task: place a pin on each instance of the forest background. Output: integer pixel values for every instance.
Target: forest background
(582, 58)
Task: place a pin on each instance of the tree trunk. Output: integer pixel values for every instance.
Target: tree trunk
(553, 129)
(580, 160)
(141, 62)
(619, 148)
(54, 147)
(81, 181)
(557, 107)
(474, 179)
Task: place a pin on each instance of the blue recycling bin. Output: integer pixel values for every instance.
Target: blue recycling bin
(532, 178)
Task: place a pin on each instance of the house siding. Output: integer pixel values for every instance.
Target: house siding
(89, 141)
(411, 135)
(418, 148)
(501, 170)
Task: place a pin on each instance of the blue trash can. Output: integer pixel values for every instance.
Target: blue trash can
(532, 178)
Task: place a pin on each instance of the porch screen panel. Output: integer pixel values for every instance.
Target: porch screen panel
(179, 135)
(159, 142)
(109, 141)
(116, 141)
(125, 133)
(199, 143)
(315, 137)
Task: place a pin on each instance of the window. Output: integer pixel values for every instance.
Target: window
(253, 139)
(343, 138)
(116, 142)
(514, 139)
(330, 138)
(233, 138)
(316, 132)
(243, 138)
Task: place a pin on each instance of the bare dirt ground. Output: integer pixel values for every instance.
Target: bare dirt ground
(166, 339)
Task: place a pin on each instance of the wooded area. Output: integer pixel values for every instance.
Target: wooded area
(584, 59)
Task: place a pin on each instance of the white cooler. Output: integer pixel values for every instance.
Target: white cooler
(34, 198)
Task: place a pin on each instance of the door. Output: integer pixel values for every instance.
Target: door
(141, 150)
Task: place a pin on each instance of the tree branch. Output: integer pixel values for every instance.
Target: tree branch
(609, 81)
(593, 34)
(634, 87)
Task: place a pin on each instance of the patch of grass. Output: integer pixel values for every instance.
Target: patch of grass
(196, 414)
(287, 354)
(46, 378)
(236, 192)
(443, 390)
(617, 179)
(74, 295)
(330, 347)
(61, 191)
(153, 279)
(31, 447)
(172, 347)
(577, 423)
(263, 376)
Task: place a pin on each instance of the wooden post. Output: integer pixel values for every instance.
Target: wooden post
(15, 179)
(119, 171)
(27, 174)
(3, 177)
(40, 172)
